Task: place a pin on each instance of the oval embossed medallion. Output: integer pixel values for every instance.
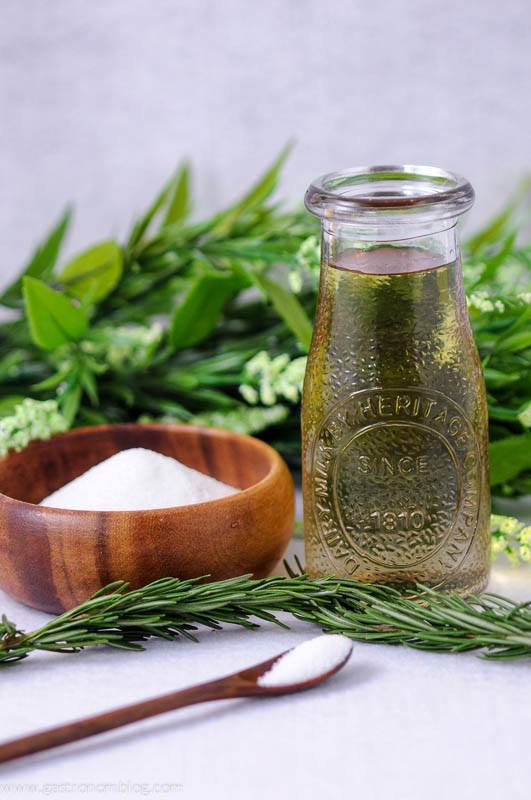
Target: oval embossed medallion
(396, 481)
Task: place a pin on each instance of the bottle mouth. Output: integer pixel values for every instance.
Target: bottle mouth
(399, 192)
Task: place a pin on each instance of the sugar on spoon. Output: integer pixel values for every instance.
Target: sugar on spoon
(302, 667)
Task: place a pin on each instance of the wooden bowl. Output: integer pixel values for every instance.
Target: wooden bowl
(52, 559)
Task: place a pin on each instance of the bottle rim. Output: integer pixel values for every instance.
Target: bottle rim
(394, 193)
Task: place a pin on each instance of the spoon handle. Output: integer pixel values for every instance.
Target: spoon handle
(221, 689)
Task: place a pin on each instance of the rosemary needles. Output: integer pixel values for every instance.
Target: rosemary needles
(171, 608)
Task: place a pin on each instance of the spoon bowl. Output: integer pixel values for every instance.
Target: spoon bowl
(252, 675)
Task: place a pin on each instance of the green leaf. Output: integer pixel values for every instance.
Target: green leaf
(88, 382)
(53, 319)
(494, 262)
(517, 336)
(520, 340)
(502, 413)
(509, 457)
(288, 307)
(496, 229)
(256, 195)
(53, 381)
(69, 402)
(497, 380)
(93, 274)
(10, 363)
(179, 204)
(174, 191)
(41, 263)
(198, 313)
(9, 403)
(140, 227)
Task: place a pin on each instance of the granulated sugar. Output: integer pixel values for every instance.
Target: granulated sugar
(308, 661)
(137, 479)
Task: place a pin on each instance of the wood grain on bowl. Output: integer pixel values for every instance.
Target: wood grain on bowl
(52, 559)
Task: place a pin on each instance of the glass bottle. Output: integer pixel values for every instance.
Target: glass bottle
(394, 415)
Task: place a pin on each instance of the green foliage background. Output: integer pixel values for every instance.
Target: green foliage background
(209, 322)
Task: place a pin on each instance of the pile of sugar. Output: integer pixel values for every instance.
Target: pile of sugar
(307, 661)
(134, 480)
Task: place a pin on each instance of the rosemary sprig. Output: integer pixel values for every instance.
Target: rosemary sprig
(171, 608)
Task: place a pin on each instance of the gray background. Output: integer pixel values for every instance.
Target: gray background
(99, 100)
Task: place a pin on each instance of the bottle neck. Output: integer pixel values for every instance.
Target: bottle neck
(409, 250)
(392, 291)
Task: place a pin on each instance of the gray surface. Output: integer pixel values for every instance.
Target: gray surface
(396, 724)
(99, 100)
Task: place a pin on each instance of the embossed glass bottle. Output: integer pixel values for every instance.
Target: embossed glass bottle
(394, 415)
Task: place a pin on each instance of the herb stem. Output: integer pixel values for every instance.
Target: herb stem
(171, 608)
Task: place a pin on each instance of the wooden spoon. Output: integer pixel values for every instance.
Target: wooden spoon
(239, 684)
